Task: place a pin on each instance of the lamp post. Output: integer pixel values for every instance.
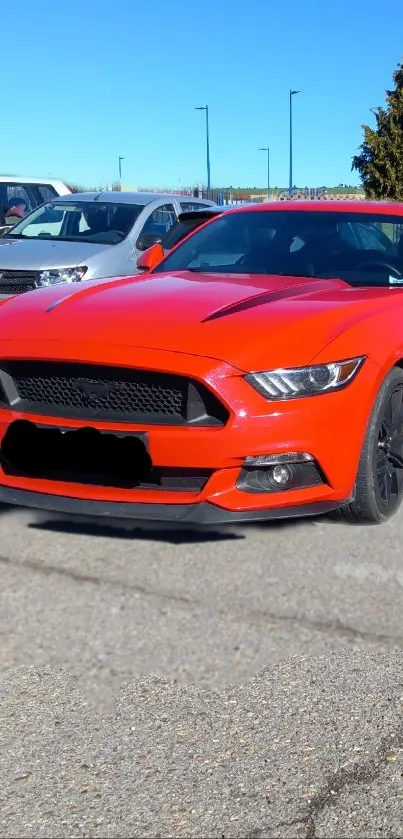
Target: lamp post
(267, 149)
(120, 170)
(292, 93)
(205, 108)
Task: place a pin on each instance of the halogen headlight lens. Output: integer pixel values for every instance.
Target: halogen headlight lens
(60, 275)
(305, 381)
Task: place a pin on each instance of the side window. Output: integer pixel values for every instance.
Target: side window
(47, 192)
(18, 197)
(156, 226)
(189, 206)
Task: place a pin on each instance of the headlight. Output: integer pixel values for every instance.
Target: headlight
(305, 381)
(60, 275)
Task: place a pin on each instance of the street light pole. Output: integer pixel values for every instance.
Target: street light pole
(292, 93)
(205, 108)
(267, 148)
(120, 170)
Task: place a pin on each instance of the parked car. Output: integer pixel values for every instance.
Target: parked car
(30, 192)
(257, 374)
(86, 236)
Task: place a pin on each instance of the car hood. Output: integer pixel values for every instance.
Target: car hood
(40, 254)
(248, 321)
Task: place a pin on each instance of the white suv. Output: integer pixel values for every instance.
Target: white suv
(31, 191)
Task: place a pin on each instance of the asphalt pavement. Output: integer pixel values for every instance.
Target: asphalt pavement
(230, 683)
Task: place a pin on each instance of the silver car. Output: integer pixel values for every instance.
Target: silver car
(86, 236)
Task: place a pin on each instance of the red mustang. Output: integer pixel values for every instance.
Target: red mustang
(255, 373)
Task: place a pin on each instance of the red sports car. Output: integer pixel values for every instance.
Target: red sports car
(256, 373)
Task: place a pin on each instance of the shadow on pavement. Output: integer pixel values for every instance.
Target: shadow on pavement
(174, 534)
(118, 530)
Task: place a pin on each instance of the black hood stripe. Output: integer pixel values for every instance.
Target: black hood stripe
(268, 297)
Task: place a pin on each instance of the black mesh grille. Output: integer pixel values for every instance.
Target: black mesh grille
(17, 282)
(103, 394)
(122, 394)
(15, 288)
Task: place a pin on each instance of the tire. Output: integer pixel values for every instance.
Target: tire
(378, 490)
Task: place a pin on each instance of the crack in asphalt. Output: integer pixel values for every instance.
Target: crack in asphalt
(335, 785)
(92, 579)
(340, 781)
(263, 832)
(335, 627)
(239, 610)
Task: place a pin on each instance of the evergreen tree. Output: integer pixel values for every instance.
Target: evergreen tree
(380, 158)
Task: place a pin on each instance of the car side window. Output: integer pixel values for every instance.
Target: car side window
(157, 225)
(19, 191)
(189, 206)
(47, 192)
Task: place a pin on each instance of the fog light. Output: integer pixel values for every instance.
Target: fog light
(281, 475)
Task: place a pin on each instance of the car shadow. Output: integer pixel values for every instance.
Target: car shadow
(173, 534)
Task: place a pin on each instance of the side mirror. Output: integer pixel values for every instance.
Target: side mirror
(151, 257)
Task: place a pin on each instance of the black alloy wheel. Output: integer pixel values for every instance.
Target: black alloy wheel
(378, 490)
(389, 461)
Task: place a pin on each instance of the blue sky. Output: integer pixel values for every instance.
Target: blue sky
(92, 81)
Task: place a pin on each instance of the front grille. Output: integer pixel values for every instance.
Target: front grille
(17, 282)
(99, 392)
(15, 288)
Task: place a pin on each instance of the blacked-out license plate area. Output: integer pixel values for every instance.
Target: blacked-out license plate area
(83, 455)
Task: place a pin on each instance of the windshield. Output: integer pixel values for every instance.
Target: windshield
(361, 248)
(79, 221)
(181, 229)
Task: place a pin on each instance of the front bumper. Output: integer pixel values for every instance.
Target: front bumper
(203, 513)
(330, 427)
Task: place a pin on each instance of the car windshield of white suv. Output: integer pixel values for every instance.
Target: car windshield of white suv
(359, 247)
(80, 221)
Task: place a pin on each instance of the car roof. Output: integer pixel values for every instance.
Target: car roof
(345, 206)
(129, 197)
(22, 179)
